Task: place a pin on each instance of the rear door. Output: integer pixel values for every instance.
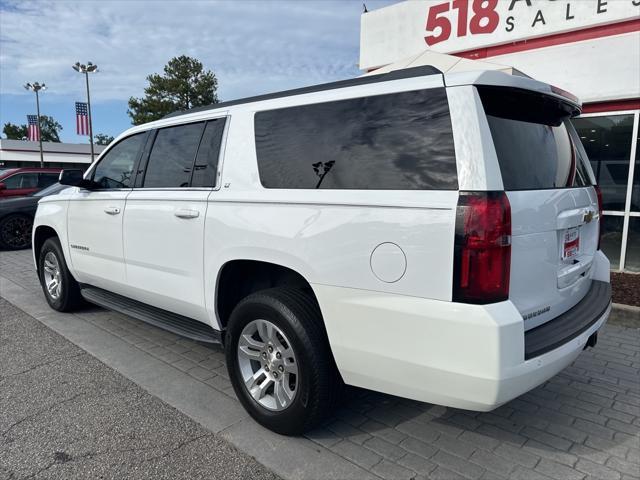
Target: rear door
(554, 206)
(20, 184)
(165, 215)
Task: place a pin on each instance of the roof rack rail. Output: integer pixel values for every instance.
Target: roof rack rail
(412, 72)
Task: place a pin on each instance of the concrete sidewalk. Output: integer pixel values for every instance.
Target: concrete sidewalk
(67, 415)
(584, 423)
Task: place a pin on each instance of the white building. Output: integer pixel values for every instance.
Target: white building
(590, 48)
(21, 153)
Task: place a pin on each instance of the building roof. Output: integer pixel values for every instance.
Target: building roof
(49, 147)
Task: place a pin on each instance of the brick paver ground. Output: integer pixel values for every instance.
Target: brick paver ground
(582, 424)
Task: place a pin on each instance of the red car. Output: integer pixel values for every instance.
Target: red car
(15, 182)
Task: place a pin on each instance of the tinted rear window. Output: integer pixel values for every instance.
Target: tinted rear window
(535, 143)
(400, 141)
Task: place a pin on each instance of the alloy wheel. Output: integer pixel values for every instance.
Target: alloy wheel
(52, 275)
(268, 365)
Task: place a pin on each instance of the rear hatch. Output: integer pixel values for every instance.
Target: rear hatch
(554, 206)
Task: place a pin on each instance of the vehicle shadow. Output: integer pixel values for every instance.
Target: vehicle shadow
(563, 420)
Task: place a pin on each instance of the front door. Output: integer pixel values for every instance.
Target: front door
(164, 219)
(95, 218)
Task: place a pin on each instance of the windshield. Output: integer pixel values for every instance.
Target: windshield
(50, 190)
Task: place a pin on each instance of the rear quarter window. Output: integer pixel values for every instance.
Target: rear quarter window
(400, 141)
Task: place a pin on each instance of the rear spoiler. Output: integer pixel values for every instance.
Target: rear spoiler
(492, 78)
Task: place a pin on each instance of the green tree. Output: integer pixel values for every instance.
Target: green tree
(184, 85)
(103, 139)
(49, 128)
(14, 132)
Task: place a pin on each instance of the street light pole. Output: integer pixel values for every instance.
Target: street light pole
(86, 76)
(86, 70)
(36, 87)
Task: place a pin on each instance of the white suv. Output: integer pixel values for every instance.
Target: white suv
(433, 236)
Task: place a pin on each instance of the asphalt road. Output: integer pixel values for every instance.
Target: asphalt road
(64, 414)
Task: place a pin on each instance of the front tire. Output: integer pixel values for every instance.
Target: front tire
(279, 360)
(15, 231)
(60, 288)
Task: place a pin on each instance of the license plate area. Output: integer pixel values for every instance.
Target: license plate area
(570, 243)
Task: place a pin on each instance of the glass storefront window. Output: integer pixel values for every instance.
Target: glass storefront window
(632, 260)
(635, 192)
(607, 140)
(612, 239)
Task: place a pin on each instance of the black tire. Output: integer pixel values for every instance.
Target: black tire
(69, 298)
(15, 231)
(297, 314)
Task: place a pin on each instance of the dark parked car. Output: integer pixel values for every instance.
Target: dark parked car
(16, 217)
(18, 182)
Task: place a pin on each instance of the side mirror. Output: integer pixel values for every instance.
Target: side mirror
(2, 186)
(73, 177)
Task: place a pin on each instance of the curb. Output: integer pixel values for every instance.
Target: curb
(625, 315)
(301, 458)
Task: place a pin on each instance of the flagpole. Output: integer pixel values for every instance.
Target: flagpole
(36, 87)
(86, 70)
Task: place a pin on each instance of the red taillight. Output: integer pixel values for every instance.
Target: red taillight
(482, 256)
(599, 195)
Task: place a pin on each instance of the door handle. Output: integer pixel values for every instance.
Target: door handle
(112, 210)
(186, 213)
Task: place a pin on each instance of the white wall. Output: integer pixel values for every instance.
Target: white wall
(595, 70)
(602, 69)
(399, 30)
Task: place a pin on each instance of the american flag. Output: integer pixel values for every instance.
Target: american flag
(33, 132)
(82, 118)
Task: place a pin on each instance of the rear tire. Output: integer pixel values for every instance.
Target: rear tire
(60, 288)
(279, 360)
(15, 231)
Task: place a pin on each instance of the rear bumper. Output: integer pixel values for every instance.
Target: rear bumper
(569, 325)
(464, 356)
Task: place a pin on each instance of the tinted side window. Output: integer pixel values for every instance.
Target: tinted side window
(47, 179)
(401, 141)
(206, 166)
(22, 180)
(116, 167)
(172, 156)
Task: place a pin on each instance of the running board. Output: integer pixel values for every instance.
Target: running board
(172, 322)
